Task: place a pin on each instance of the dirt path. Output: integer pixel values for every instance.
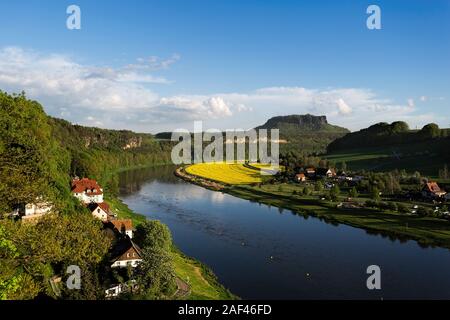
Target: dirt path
(183, 289)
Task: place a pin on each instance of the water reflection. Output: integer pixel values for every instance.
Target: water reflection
(263, 252)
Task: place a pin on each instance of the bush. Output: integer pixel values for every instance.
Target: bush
(306, 191)
(371, 204)
(392, 206)
(319, 186)
(426, 212)
(402, 208)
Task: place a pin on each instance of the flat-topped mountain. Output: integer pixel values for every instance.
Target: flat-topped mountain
(305, 133)
(305, 122)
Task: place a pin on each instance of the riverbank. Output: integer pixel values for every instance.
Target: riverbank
(204, 285)
(427, 231)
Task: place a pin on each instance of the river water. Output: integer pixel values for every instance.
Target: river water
(262, 252)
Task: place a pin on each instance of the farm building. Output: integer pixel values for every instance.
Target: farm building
(325, 172)
(432, 190)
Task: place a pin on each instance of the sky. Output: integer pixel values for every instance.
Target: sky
(153, 66)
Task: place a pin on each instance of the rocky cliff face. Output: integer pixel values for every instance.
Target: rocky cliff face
(302, 122)
(133, 143)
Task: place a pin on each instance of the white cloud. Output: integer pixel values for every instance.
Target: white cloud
(153, 63)
(343, 107)
(423, 98)
(196, 107)
(121, 97)
(60, 81)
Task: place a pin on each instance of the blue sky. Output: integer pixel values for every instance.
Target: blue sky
(159, 65)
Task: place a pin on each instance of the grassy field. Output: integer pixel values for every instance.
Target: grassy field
(234, 174)
(203, 283)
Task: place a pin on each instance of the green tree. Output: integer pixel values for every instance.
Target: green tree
(153, 234)
(443, 174)
(306, 191)
(335, 192)
(318, 186)
(375, 195)
(155, 275)
(353, 193)
(430, 130)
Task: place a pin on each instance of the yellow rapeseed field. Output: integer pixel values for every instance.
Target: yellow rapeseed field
(226, 173)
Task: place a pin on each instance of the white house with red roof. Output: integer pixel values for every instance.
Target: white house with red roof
(87, 190)
(100, 210)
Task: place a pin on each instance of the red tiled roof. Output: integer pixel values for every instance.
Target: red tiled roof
(91, 187)
(119, 224)
(104, 206)
(433, 187)
(300, 175)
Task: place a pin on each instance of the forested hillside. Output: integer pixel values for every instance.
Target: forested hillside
(95, 152)
(38, 157)
(384, 147)
(397, 133)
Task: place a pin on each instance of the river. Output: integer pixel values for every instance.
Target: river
(262, 252)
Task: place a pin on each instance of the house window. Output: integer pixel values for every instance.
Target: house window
(128, 255)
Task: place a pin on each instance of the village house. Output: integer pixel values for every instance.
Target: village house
(115, 290)
(100, 211)
(310, 172)
(87, 190)
(122, 226)
(33, 211)
(432, 190)
(126, 253)
(325, 172)
(300, 177)
(39, 208)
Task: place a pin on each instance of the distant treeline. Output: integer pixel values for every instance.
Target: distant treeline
(394, 134)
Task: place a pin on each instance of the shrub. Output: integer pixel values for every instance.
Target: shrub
(402, 208)
(371, 204)
(392, 206)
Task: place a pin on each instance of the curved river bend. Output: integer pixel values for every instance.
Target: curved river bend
(260, 252)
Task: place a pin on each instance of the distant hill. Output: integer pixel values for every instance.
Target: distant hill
(383, 147)
(95, 151)
(305, 133)
(383, 134)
